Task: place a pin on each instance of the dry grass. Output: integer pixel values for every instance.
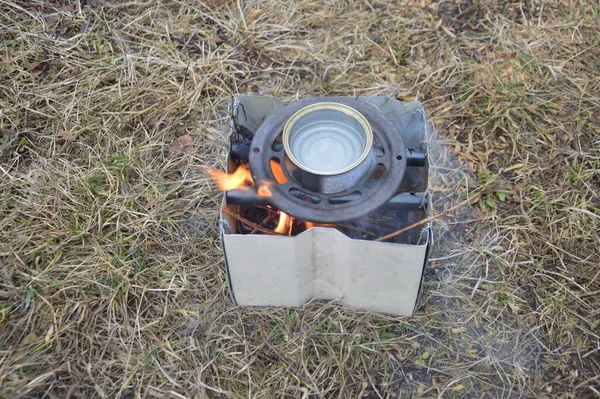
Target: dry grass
(112, 282)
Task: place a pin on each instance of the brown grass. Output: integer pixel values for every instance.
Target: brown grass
(112, 283)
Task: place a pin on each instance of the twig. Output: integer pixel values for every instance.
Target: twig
(265, 220)
(249, 223)
(429, 219)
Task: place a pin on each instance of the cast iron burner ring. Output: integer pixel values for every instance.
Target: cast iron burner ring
(373, 190)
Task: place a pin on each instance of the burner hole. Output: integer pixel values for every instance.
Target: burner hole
(399, 157)
(256, 149)
(305, 197)
(277, 171)
(345, 198)
(277, 145)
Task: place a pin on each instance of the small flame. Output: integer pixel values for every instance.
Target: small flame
(278, 172)
(230, 181)
(240, 179)
(284, 226)
(263, 190)
(308, 225)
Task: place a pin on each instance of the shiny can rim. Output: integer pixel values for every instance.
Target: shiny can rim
(328, 106)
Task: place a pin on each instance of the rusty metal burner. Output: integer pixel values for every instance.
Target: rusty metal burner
(362, 182)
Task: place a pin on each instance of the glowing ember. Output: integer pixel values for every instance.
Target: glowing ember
(284, 226)
(230, 181)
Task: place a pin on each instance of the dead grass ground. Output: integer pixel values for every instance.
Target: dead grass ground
(112, 282)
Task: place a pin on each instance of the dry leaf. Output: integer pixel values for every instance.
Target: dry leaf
(420, 390)
(255, 14)
(66, 135)
(183, 143)
(507, 72)
(458, 387)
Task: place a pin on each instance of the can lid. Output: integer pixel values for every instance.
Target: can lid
(327, 138)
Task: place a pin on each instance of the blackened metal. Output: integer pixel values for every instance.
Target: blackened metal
(373, 195)
(243, 131)
(407, 201)
(245, 197)
(347, 198)
(402, 201)
(416, 157)
(240, 150)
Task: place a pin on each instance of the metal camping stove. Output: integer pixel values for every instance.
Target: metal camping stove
(345, 173)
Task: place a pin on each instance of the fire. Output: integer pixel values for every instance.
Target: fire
(284, 226)
(278, 172)
(308, 225)
(263, 190)
(230, 181)
(242, 179)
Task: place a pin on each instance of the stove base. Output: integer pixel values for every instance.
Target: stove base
(323, 263)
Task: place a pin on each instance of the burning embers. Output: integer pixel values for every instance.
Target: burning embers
(319, 163)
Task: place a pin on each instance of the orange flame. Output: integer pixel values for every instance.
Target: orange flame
(263, 190)
(308, 225)
(240, 179)
(230, 181)
(278, 172)
(284, 226)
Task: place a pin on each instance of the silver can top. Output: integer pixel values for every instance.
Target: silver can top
(327, 138)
